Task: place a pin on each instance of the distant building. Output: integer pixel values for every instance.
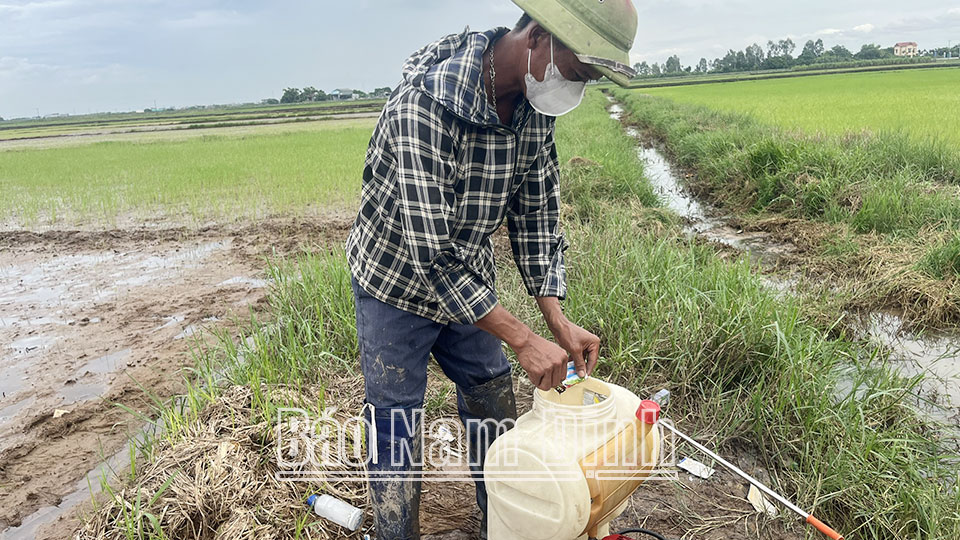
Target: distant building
(906, 48)
(343, 94)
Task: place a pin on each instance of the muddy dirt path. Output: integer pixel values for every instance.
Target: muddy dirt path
(935, 355)
(90, 319)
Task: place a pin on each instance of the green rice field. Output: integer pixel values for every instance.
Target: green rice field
(923, 102)
(218, 176)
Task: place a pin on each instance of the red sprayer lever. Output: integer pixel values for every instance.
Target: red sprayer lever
(819, 525)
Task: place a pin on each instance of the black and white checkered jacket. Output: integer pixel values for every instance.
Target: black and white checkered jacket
(442, 173)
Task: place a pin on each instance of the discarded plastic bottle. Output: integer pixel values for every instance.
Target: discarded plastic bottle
(662, 397)
(340, 512)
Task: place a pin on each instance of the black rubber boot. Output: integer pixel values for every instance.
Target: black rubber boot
(487, 411)
(394, 495)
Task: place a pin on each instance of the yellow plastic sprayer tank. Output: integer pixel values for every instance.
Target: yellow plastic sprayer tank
(569, 465)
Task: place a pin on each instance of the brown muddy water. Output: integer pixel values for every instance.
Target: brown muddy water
(935, 355)
(56, 312)
(89, 320)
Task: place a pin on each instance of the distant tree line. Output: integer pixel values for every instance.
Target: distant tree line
(302, 95)
(944, 52)
(779, 55)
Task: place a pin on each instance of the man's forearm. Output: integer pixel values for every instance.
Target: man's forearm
(552, 312)
(504, 325)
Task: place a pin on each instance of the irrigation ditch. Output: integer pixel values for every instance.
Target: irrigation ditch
(933, 355)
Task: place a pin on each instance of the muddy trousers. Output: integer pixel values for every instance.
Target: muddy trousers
(395, 348)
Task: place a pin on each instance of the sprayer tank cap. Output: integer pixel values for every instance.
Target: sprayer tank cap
(649, 412)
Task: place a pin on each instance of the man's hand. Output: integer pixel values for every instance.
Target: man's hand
(582, 346)
(544, 362)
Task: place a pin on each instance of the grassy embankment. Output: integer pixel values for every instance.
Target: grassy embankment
(744, 364)
(879, 212)
(299, 170)
(866, 66)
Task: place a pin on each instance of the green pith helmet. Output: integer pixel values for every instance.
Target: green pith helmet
(599, 32)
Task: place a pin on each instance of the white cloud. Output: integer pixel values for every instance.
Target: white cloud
(506, 9)
(864, 28)
(30, 9)
(828, 32)
(660, 54)
(23, 70)
(209, 18)
(17, 68)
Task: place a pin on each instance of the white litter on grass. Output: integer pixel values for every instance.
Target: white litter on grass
(448, 438)
(444, 434)
(696, 468)
(760, 503)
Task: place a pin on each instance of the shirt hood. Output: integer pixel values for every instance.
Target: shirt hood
(450, 71)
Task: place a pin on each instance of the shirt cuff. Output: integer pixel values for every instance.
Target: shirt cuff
(462, 295)
(554, 281)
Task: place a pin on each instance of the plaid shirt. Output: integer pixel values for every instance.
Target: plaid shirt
(441, 175)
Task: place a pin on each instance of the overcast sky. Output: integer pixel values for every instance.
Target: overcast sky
(79, 56)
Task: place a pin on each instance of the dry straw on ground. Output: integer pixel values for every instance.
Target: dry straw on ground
(218, 481)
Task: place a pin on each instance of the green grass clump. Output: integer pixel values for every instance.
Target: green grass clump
(943, 261)
(881, 183)
(310, 334)
(921, 102)
(202, 178)
(746, 364)
(221, 440)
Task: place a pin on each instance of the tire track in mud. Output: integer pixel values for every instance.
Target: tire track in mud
(89, 319)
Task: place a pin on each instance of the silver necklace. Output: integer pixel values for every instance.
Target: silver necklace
(493, 80)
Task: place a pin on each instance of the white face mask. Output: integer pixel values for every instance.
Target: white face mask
(555, 95)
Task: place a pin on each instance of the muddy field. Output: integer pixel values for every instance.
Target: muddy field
(94, 320)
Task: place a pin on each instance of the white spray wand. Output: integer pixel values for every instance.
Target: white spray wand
(663, 397)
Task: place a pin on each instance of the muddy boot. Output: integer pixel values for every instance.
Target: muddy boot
(394, 495)
(484, 409)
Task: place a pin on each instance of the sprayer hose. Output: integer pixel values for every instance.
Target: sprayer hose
(656, 535)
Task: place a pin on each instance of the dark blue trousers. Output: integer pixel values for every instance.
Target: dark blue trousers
(395, 348)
